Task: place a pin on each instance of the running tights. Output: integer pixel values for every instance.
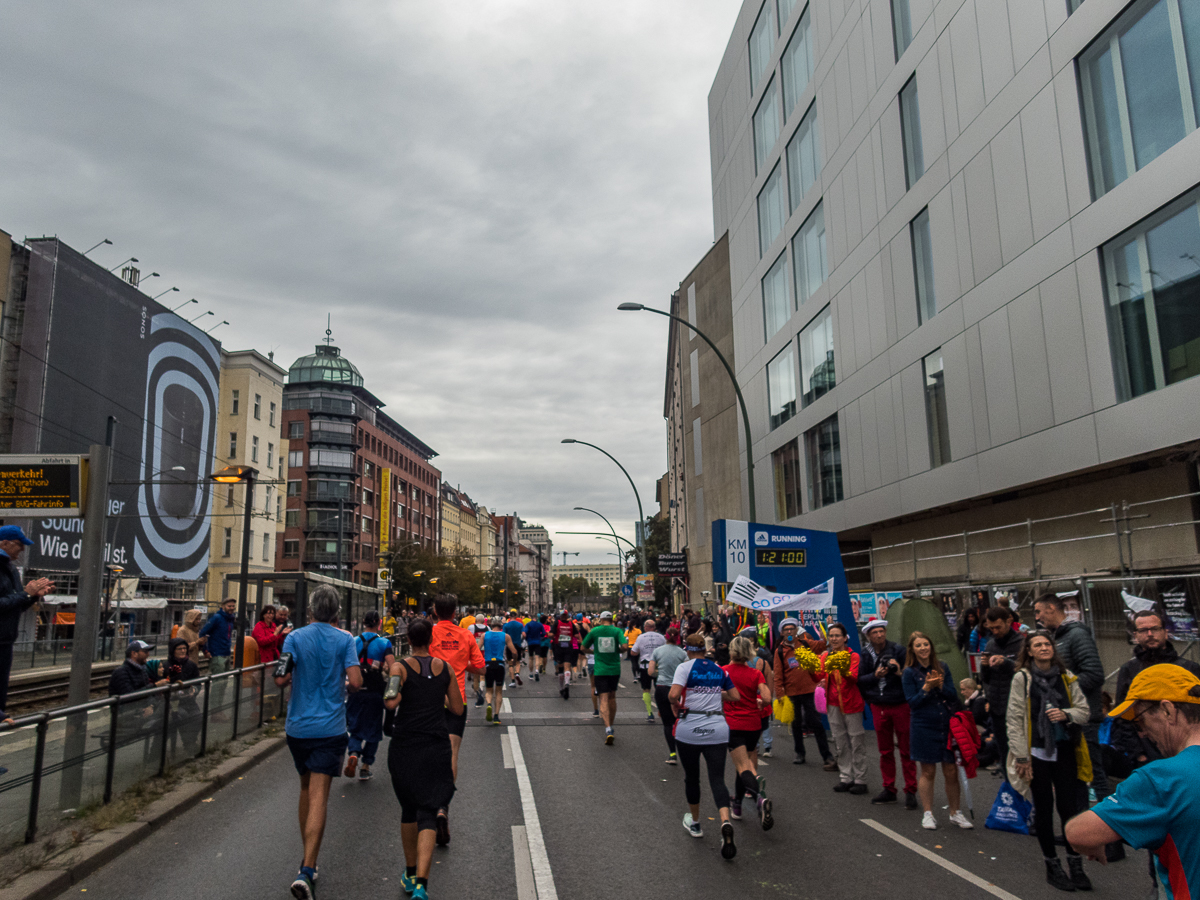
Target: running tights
(745, 785)
(662, 697)
(714, 758)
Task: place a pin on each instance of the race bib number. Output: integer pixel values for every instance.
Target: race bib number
(564, 639)
(606, 644)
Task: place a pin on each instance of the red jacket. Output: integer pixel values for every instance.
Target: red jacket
(268, 642)
(842, 690)
(965, 736)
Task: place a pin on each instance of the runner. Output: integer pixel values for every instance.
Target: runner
(584, 625)
(744, 718)
(425, 696)
(663, 663)
(641, 652)
(609, 641)
(698, 689)
(587, 657)
(496, 646)
(762, 662)
(515, 629)
(456, 646)
(566, 651)
(364, 708)
(535, 635)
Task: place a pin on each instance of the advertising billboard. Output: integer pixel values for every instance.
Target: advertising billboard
(93, 346)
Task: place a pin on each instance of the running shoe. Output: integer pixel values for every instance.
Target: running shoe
(728, 850)
(735, 809)
(488, 715)
(408, 885)
(512, 684)
(650, 717)
(672, 760)
(496, 720)
(960, 819)
(303, 888)
(351, 766)
(420, 893)
(536, 676)
(443, 829)
(765, 818)
(567, 692)
(929, 822)
(519, 681)
(595, 713)
(364, 774)
(608, 737)
(479, 700)
(884, 796)
(693, 828)
(766, 753)
(762, 785)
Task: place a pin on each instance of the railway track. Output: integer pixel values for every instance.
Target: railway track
(35, 697)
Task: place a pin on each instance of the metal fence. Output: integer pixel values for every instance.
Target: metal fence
(49, 652)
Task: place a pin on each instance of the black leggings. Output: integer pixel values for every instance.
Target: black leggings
(807, 715)
(662, 697)
(1054, 781)
(714, 758)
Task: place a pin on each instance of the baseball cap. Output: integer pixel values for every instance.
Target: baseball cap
(14, 533)
(605, 615)
(138, 645)
(1165, 681)
(874, 623)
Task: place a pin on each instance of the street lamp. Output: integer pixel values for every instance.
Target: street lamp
(235, 475)
(167, 291)
(201, 316)
(634, 307)
(101, 244)
(184, 303)
(637, 496)
(218, 325)
(118, 265)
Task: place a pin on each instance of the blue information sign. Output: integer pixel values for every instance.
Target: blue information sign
(627, 590)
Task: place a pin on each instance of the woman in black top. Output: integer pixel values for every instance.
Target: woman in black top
(419, 757)
(185, 718)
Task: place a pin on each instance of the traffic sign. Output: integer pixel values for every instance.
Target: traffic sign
(627, 590)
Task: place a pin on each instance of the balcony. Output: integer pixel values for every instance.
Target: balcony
(333, 438)
(332, 492)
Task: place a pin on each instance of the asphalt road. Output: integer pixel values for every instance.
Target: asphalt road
(609, 819)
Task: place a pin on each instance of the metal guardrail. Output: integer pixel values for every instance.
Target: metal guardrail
(57, 651)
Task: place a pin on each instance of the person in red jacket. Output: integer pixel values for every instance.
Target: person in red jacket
(845, 711)
(268, 635)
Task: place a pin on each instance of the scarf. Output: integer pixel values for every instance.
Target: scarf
(1046, 690)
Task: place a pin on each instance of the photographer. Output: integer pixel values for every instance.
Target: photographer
(880, 680)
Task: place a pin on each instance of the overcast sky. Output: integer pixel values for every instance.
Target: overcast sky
(469, 191)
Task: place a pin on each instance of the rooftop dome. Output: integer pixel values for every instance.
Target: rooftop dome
(325, 365)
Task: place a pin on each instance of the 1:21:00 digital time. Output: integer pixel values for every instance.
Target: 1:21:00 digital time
(764, 556)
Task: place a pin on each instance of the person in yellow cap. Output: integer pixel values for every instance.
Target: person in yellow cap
(1157, 807)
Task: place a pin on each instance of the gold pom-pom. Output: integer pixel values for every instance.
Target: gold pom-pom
(808, 660)
(838, 662)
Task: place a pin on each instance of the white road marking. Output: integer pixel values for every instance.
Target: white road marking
(506, 753)
(526, 890)
(505, 706)
(944, 863)
(543, 877)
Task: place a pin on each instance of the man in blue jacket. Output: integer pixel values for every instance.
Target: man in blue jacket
(217, 636)
(14, 600)
(881, 684)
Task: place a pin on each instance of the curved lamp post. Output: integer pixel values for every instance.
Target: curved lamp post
(636, 495)
(601, 515)
(635, 307)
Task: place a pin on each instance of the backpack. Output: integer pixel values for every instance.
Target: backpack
(373, 676)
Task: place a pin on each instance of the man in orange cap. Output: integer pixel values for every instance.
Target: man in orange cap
(1158, 806)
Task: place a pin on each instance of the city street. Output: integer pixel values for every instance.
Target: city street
(545, 810)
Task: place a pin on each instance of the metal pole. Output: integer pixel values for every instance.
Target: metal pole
(967, 556)
(1117, 534)
(166, 732)
(110, 763)
(204, 716)
(341, 512)
(244, 587)
(638, 497)
(35, 788)
(1032, 548)
(506, 526)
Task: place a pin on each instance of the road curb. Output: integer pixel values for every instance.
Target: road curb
(77, 863)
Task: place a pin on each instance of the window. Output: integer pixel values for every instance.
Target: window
(776, 307)
(228, 545)
(271, 416)
(254, 448)
(785, 463)
(901, 26)
(266, 546)
(296, 460)
(233, 403)
(1152, 279)
(817, 376)
(691, 299)
(762, 39)
(935, 409)
(922, 249)
(293, 487)
(295, 431)
(781, 387)
(766, 125)
(279, 508)
(697, 452)
(785, 11)
(808, 254)
(797, 64)
(694, 371)
(824, 454)
(1141, 88)
(340, 459)
(772, 212)
(270, 455)
(267, 495)
(229, 497)
(291, 549)
(258, 406)
(803, 158)
(910, 132)
(233, 445)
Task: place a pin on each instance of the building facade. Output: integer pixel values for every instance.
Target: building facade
(964, 258)
(248, 418)
(360, 487)
(606, 576)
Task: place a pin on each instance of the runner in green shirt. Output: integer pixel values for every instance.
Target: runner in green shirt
(607, 641)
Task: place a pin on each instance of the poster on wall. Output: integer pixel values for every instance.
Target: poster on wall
(950, 608)
(1181, 624)
(645, 590)
(863, 606)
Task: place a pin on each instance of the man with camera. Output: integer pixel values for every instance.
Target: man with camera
(881, 684)
(996, 671)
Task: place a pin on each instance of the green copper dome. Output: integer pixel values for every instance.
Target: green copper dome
(325, 365)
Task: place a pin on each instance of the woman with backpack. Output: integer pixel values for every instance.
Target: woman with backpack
(929, 689)
(1046, 710)
(364, 707)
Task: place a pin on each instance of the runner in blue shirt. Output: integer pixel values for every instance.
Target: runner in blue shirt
(535, 640)
(515, 629)
(364, 708)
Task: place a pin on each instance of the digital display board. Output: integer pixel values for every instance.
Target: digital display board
(39, 485)
(765, 556)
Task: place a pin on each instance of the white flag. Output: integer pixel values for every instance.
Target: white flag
(747, 593)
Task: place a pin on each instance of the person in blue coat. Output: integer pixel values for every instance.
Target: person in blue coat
(14, 600)
(929, 689)
(364, 707)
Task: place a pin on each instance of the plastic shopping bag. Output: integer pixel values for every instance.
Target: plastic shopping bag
(1010, 812)
(819, 699)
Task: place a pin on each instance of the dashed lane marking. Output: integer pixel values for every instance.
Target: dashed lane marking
(543, 877)
(506, 754)
(526, 888)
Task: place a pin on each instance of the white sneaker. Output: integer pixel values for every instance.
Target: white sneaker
(693, 828)
(928, 821)
(961, 820)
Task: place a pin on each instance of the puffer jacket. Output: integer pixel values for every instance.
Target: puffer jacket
(1125, 737)
(1077, 648)
(997, 679)
(1020, 727)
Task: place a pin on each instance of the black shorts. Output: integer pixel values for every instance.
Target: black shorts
(747, 739)
(567, 656)
(494, 674)
(456, 725)
(538, 650)
(517, 654)
(646, 679)
(320, 755)
(606, 684)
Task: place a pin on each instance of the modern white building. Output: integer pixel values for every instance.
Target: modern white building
(964, 256)
(606, 576)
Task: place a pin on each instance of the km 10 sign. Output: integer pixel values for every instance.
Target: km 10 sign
(33, 485)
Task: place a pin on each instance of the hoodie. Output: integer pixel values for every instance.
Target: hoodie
(219, 631)
(190, 632)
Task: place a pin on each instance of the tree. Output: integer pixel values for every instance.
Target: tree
(658, 540)
(567, 587)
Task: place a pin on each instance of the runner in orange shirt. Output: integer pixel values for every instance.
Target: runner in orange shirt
(456, 646)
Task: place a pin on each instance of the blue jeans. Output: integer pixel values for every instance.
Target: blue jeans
(364, 750)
